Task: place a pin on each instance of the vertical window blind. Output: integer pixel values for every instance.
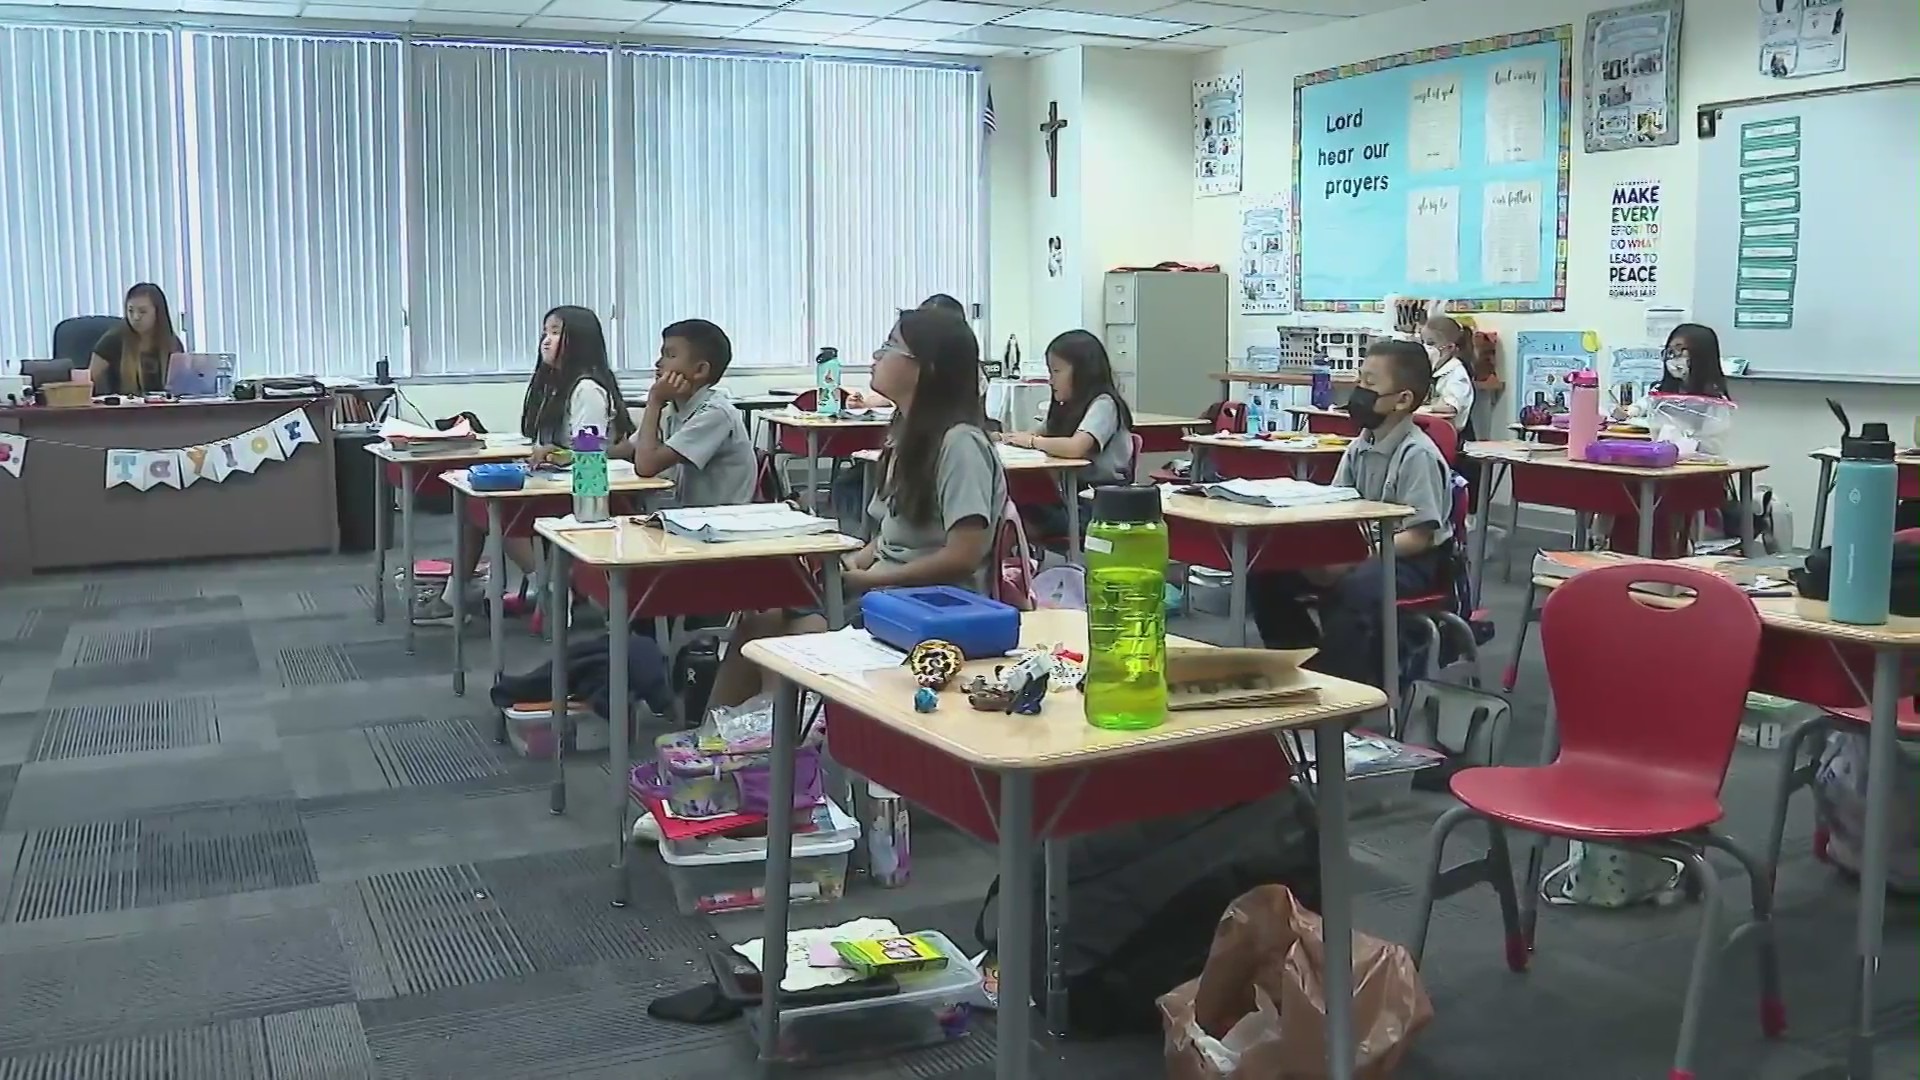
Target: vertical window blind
(314, 203)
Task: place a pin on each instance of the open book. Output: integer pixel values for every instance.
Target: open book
(1279, 492)
(755, 521)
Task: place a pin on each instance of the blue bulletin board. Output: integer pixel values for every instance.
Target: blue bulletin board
(1440, 172)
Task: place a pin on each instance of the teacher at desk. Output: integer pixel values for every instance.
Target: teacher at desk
(132, 358)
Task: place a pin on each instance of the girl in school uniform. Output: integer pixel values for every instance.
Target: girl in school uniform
(132, 358)
(573, 387)
(1692, 363)
(1086, 419)
(942, 490)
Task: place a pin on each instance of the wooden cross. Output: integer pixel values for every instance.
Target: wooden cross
(1051, 129)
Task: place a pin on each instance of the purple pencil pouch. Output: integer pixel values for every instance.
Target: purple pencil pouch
(1633, 453)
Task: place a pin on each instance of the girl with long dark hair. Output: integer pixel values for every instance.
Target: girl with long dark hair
(132, 358)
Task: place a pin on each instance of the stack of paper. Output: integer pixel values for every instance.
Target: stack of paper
(1020, 455)
(1279, 492)
(755, 521)
(407, 438)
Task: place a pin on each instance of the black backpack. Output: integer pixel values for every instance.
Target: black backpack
(1143, 902)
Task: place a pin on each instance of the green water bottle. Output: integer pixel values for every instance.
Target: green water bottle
(1126, 549)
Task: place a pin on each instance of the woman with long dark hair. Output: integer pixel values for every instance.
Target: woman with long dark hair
(132, 358)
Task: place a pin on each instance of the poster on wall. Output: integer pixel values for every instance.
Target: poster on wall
(1633, 76)
(1266, 262)
(1451, 162)
(1548, 361)
(1802, 37)
(1218, 116)
(1633, 240)
(1633, 374)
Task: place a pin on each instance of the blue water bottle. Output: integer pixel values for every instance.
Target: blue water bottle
(1865, 485)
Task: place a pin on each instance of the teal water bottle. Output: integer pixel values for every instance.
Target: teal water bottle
(826, 382)
(1865, 486)
(590, 486)
(1126, 551)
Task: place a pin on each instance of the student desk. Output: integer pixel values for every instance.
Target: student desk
(60, 515)
(834, 436)
(1289, 377)
(411, 471)
(1557, 436)
(674, 576)
(1056, 471)
(958, 757)
(1908, 463)
(1163, 434)
(1806, 656)
(1553, 479)
(557, 494)
(1326, 421)
(1241, 458)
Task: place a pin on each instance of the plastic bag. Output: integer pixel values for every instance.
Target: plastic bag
(1257, 1010)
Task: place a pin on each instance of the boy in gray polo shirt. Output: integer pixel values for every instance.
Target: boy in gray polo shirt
(1392, 461)
(691, 432)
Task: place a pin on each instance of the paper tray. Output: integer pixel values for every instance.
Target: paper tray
(1237, 678)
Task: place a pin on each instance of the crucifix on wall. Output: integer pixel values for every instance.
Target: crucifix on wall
(1051, 129)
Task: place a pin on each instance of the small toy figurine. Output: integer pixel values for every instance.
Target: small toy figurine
(1018, 687)
(925, 700)
(934, 663)
(1069, 670)
(989, 696)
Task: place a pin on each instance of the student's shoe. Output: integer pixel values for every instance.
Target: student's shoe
(517, 605)
(436, 612)
(647, 829)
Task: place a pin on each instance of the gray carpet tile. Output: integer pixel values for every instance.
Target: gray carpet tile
(244, 834)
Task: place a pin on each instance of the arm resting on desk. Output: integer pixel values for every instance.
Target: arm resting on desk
(962, 555)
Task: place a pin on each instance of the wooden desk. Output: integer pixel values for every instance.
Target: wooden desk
(1557, 436)
(1327, 421)
(1909, 485)
(412, 469)
(1020, 749)
(627, 547)
(1640, 487)
(1315, 463)
(538, 487)
(1892, 646)
(870, 432)
(60, 515)
(1162, 434)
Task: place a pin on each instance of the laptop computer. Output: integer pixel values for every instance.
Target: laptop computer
(193, 374)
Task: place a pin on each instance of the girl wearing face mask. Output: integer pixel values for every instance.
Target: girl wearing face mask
(1447, 343)
(1692, 362)
(132, 358)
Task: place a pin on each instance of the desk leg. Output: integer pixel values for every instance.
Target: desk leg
(1015, 942)
(1056, 976)
(1649, 509)
(617, 709)
(813, 471)
(1330, 770)
(1581, 540)
(1070, 493)
(1488, 478)
(406, 552)
(1822, 490)
(496, 603)
(1197, 464)
(834, 590)
(1883, 757)
(1237, 595)
(1747, 547)
(773, 953)
(382, 512)
(561, 716)
(459, 594)
(1390, 627)
(1513, 530)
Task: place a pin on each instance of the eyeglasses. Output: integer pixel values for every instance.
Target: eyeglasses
(892, 347)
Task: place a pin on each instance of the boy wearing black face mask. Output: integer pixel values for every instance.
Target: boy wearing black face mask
(1392, 461)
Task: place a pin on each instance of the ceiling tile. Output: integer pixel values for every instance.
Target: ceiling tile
(1108, 7)
(353, 15)
(1074, 22)
(652, 29)
(707, 15)
(873, 9)
(812, 22)
(779, 37)
(738, 3)
(1347, 8)
(995, 34)
(464, 20)
(1216, 37)
(522, 8)
(962, 12)
(1068, 41)
(263, 8)
(1170, 45)
(585, 26)
(138, 5)
(962, 48)
(907, 30)
(1203, 14)
(1286, 22)
(631, 11)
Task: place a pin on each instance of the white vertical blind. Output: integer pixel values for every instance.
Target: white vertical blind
(718, 227)
(296, 262)
(513, 206)
(90, 198)
(896, 210)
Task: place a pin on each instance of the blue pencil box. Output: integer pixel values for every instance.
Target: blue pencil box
(904, 618)
(498, 476)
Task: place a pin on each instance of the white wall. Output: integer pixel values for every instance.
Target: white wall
(1137, 165)
(1779, 423)
(1057, 302)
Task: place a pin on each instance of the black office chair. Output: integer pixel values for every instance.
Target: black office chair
(74, 339)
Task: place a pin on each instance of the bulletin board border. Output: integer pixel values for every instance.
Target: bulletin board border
(1560, 35)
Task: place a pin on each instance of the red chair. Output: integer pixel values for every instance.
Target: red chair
(1800, 760)
(1012, 561)
(1434, 609)
(1644, 776)
(1230, 418)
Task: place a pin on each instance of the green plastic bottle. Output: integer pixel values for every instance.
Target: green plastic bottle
(1126, 552)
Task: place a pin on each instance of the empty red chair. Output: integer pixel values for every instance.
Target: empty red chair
(1643, 775)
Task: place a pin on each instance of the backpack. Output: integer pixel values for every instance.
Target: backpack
(1145, 900)
(1840, 808)
(1596, 875)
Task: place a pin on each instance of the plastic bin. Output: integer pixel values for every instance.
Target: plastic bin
(714, 874)
(932, 1007)
(533, 737)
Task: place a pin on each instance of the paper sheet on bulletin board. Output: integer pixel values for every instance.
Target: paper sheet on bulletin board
(1266, 265)
(1548, 360)
(1439, 172)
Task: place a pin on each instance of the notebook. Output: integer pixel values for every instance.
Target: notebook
(755, 521)
(1279, 492)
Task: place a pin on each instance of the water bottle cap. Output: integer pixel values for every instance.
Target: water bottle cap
(1130, 505)
(1874, 443)
(588, 441)
(826, 354)
(1584, 379)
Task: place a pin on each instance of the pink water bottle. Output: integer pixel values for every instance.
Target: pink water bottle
(1583, 414)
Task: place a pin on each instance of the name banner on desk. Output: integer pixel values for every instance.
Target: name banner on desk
(185, 466)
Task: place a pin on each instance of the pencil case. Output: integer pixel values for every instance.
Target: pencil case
(498, 476)
(1633, 453)
(699, 783)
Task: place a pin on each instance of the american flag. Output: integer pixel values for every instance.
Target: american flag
(987, 120)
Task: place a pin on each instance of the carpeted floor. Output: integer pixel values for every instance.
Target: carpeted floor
(242, 834)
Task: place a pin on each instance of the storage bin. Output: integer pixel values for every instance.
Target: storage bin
(932, 1007)
(533, 737)
(714, 874)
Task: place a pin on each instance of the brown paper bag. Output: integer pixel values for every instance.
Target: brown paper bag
(1262, 997)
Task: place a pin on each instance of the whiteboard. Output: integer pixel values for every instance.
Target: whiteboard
(1815, 197)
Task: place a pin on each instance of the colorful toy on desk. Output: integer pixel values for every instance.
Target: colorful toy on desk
(925, 700)
(1019, 687)
(904, 955)
(934, 663)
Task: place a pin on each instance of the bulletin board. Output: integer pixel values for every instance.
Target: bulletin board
(1439, 172)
